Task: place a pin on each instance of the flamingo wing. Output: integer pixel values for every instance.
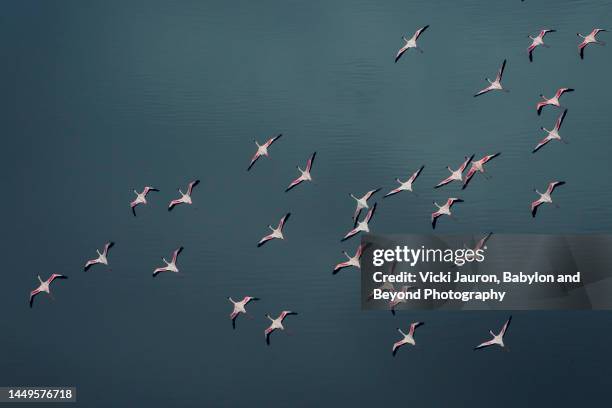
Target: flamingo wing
(310, 161)
(294, 183)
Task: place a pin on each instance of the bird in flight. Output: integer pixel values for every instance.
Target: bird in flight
(352, 260)
(478, 166)
(545, 198)
(589, 39)
(305, 174)
(494, 85)
(185, 197)
(554, 101)
(141, 198)
(498, 339)
(410, 43)
(405, 185)
(552, 134)
(456, 175)
(44, 286)
(277, 233)
(170, 266)
(262, 150)
(363, 201)
(443, 210)
(538, 41)
(361, 226)
(276, 324)
(239, 307)
(408, 337)
(102, 257)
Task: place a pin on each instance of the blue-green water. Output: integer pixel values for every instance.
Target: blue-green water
(99, 98)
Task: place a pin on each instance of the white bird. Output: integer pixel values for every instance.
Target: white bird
(589, 39)
(393, 303)
(538, 41)
(363, 201)
(262, 150)
(352, 260)
(277, 324)
(494, 85)
(239, 307)
(407, 185)
(170, 266)
(361, 226)
(546, 197)
(554, 101)
(443, 210)
(277, 233)
(305, 174)
(185, 197)
(102, 257)
(141, 198)
(408, 338)
(552, 134)
(44, 286)
(410, 43)
(481, 242)
(385, 287)
(456, 175)
(478, 166)
(498, 339)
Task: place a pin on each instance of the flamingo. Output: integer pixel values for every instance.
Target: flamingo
(170, 266)
(141, 198)
(386, 286)
(361, 226)
(478, 166)
(262, 150)
(456, 175)
(305, 174)
(44, 286)
(443, 210)
(537, 41)
(276, 324)
(411, 43)
(494, 85)
(407, 185)
(352, 260)
(239, 307)
(552, 134)
(185, 197)
(408, 338)
(277, 233)
(482, 242)
(363, 201)
(393, 303)
(589, 39)
(102, 257)
(554, 101)
(546, 197)
(498, 339)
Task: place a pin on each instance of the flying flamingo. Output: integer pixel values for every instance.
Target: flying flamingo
(44, 286)
(386, 286)
(546, 197)
(363, 201)
(537, 41)
(305, 174)
(185, 198)
(482, 242)
(102, 257)
(393, 303)
(552, 134)
(494, 85)
(554, 101)
(407, 185)
(498, 339)
(277, 233)
(408, 338)
(443, 210)
(410, 43)
(239, 307)
(170, 266)
(352, 260)
(589, 39)
(141, 198)
(262, 150)
(456, 175)
(478, 166)
(276, 324)
(360, 226)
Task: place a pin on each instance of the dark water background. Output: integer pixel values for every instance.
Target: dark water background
(99, 98)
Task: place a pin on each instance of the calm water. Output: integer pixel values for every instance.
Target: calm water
(99, 98)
